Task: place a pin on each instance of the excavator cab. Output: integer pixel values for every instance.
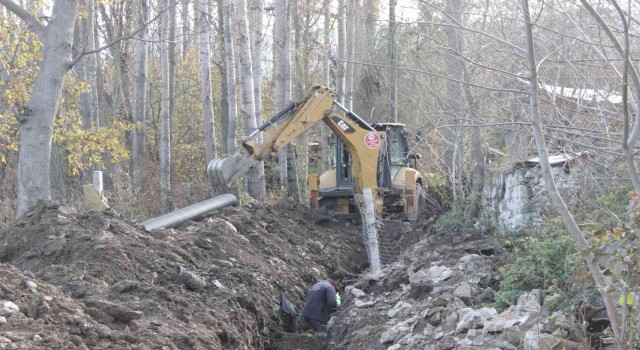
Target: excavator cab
(399, 183)
(398, 178)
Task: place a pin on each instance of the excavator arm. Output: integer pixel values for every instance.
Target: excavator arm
(360, 138)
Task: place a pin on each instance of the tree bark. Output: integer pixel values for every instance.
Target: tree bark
(326, 73)
(453, 106)
(342, 37)
(172, 60)
(232, 116)
(36, 130)
(139, 100)
(349, 71)
(254, 181)
(368, 96)
(472, 210)
(186, 30)
(302, 24)
(282, 79)
(393, 73)
(205, 81)
(222, 70)
(165, 112)
(258, 41)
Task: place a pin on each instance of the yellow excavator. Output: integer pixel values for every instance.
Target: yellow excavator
(374, 156)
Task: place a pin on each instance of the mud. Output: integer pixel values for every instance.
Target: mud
(103, 283)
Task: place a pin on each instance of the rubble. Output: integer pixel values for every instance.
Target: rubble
(435, 297)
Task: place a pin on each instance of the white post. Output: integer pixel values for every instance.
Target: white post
(97, 182)
(370, 231)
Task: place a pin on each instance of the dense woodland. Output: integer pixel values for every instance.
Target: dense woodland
(151, 91)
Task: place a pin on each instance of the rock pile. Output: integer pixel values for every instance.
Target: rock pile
(435, 297)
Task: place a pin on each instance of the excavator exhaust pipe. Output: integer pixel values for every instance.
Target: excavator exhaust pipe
(223, 172)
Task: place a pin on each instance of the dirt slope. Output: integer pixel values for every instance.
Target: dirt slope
(92, 280)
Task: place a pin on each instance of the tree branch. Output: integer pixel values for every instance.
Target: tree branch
(29, 19)
(124, 37)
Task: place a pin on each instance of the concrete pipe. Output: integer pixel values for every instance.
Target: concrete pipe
(179, 216)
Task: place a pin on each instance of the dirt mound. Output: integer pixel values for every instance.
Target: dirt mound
(210, 284)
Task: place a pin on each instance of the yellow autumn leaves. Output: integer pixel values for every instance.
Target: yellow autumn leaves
(20, 52)
(602, 235)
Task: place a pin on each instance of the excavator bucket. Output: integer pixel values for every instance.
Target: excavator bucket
(224, 171)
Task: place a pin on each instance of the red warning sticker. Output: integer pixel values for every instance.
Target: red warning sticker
(372, 140)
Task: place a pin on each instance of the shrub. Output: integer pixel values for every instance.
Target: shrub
(548, 263)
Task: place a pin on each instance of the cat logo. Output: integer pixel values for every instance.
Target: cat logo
(344, 126)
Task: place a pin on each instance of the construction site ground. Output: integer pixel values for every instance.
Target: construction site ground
(71, 279)
(74, 279)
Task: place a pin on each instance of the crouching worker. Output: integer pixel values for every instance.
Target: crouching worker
(323, 299)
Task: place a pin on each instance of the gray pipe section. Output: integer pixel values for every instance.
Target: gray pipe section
(179, 216)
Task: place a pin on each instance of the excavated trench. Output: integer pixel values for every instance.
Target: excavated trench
(80, 279)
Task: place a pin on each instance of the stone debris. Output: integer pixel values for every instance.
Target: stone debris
(8, 308)
(433, 297)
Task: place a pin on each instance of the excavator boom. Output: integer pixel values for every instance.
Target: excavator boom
(362, 140)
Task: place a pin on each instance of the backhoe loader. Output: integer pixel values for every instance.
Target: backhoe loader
(374, 156)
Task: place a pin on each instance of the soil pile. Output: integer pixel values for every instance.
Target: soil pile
(91, 280)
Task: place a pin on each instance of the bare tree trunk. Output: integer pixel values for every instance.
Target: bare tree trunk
(472, 210)
(165, 115)
(232, 121)
(342, 37)
(326, 63)
(222, 70)
(185, 25)
(258, 41)
(92, 71)
(350, 53)
(205, 81)
(393, 73)
(172, 61)
(282, 80)
(139, 100)
(567, 217)
(293, 191)
(368, 98)
(453, 106)
(38, 116)
(254, 182)
(301, 64)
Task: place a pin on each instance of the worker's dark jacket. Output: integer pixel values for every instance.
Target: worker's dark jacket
(321, 301)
